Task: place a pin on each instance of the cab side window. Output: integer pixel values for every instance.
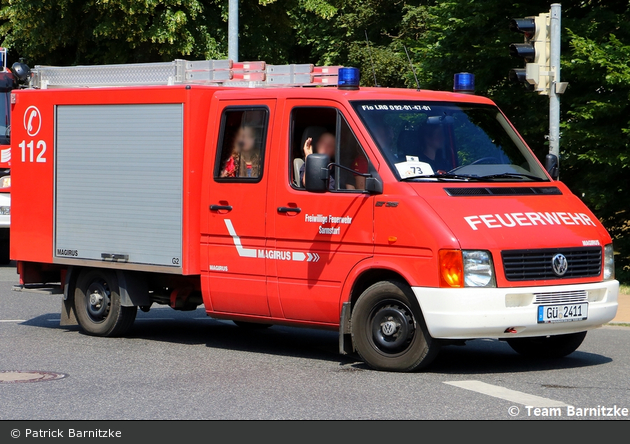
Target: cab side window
(324, 130)
(242, 140)
(351, 156)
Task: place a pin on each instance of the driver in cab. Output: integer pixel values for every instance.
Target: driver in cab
(326, 144)
(434, 152)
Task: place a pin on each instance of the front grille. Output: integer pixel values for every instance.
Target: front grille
(561, 297)
(532, 265)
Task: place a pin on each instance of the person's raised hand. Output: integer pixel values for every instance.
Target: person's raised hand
(308, 147)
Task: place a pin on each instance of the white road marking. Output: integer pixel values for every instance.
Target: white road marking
(12, 320)
(506, 394)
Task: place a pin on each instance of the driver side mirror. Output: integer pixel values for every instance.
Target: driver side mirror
(316, 174)
(551, 165)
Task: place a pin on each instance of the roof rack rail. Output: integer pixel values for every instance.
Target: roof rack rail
(204, 72)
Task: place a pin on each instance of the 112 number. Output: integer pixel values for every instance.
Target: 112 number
(41, 146)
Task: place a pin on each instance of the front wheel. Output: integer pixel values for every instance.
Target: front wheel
(547, 346)
(388, 329)
(97, 304)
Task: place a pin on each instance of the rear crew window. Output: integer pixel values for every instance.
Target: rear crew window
(241, 149)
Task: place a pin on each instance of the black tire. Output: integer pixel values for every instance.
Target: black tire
(388, 329)
(251, 325)
(5, 247)
(97, 304)
(547, 346)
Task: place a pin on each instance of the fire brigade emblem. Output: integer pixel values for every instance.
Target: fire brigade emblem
(559, 264)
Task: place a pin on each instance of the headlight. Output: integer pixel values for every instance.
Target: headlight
(5, 211)
(5, 182)
(478, 269)
(609, 262)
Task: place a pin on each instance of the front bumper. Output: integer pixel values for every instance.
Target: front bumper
(470, 313)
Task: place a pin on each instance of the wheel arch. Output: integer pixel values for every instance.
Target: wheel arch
(366, 273)
(370, 277)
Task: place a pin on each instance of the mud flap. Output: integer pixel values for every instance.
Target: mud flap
(345, 331)
(133, 289)
(67, 305)
(67, 313)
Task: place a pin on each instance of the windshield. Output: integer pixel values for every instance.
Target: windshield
(5, 122)
(450, 141)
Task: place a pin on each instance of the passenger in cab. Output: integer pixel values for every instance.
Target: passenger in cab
(434, 152)
(244, 162)
(326, 144)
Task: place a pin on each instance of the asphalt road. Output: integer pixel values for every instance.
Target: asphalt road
(187, 366)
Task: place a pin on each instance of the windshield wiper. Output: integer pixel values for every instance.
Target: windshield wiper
(443, 176)
(512, 175)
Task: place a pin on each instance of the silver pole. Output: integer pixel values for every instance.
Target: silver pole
(233, 30)
(554, 65)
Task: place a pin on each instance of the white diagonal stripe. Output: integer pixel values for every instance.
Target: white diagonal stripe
(242, 251)
(506, 394)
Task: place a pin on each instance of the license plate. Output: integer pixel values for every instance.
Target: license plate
(548, 314)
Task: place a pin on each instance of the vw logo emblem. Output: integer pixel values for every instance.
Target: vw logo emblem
(389, 328)
(559, 264)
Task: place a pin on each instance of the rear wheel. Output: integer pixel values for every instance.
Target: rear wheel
(547, 346)
(97, 304)
(388, 329)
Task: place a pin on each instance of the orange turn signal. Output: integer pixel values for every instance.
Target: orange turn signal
(451, 268)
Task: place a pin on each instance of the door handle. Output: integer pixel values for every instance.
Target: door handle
(289, 210)
(220, 207)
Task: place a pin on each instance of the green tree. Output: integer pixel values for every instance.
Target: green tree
(107, 31)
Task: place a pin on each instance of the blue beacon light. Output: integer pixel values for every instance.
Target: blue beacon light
(464, 82)
(348, 78)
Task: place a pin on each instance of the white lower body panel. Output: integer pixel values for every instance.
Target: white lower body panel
(470, 313)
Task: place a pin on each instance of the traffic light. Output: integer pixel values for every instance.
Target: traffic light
(534, 51)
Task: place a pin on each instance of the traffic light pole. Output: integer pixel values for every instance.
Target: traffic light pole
(554, 65)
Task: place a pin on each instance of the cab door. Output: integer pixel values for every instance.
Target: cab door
(237, 223)
(319, 237)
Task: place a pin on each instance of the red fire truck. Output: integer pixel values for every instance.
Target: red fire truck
(404, 219)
